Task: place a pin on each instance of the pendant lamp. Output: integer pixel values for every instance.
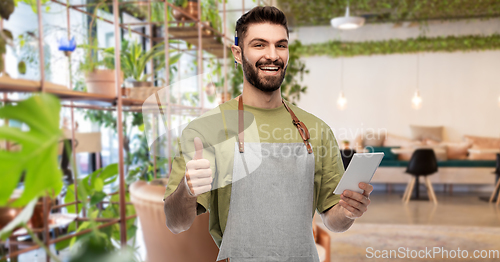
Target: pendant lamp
(416, 101)
(341, 101)
(347, 22)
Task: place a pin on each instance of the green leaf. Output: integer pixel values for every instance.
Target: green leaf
(93, 214)
(21, 67)
(37, 158)
(8, 34)
(97, 197)
(131, 230)
(65, 243)
(70, 197)
(109, 173)
(22, 218)
(82, 227)
(98, 184)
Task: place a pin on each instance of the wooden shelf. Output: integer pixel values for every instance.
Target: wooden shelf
(210, 42)
(83, 99)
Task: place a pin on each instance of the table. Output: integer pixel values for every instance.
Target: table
(484, 151)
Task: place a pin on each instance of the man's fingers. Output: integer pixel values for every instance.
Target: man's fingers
(199, 173)
(367, 188)
(198, 147)
(198, 164)
(356, 196)
(201, 190)
(355, 204)
(201, 182)
(351, 209)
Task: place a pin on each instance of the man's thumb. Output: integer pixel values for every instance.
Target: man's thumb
(198, 147)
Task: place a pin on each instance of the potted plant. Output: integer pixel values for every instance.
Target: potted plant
(209, 13)
(210, 16)
(190, 6)
(133, 60)
(97, 80)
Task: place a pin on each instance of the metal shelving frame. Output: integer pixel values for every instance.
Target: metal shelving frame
(74, 99)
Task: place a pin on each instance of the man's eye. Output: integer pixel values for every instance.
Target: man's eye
(258, 45)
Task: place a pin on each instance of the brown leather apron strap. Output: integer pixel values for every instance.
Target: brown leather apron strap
(301, 127)
(241, 125)
(304, 133)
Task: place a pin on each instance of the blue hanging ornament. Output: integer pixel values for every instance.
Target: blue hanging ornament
(67, 46)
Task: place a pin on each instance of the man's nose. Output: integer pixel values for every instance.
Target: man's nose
(272, 54)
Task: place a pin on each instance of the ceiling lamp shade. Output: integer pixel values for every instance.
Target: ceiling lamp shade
(347, 22)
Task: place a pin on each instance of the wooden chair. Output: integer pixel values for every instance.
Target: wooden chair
(423, 162)
(497, 186)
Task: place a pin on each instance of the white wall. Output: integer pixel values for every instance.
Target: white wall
(460, 91)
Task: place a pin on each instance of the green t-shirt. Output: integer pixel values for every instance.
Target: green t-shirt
(218, 128)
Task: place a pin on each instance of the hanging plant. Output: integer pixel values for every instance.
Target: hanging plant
(396, 46)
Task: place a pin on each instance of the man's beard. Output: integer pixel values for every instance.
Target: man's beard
(266, 83)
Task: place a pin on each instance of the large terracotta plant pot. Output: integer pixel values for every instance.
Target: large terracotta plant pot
(193, 245)
(36, 220)
(102, 82)
(7, 214)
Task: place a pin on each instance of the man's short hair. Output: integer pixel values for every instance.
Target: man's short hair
(259, 15)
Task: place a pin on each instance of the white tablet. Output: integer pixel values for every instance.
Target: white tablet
(360, 169)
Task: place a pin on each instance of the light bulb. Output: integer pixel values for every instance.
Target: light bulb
(348, 26)
(342, 101)
(416, 101)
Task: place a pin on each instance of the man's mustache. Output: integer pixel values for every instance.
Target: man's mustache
(277, 63)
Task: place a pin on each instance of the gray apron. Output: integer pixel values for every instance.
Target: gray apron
(269, 215)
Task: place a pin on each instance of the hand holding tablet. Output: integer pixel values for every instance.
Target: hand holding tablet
(361, 169)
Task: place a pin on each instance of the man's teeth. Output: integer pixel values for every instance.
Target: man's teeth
(269, 68)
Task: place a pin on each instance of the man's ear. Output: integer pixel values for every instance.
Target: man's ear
(236, 53)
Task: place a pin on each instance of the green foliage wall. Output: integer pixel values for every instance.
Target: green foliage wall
(396, 46)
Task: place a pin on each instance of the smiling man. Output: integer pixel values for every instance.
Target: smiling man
(281, 171)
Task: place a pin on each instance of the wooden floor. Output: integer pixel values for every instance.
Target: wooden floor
(459, 209)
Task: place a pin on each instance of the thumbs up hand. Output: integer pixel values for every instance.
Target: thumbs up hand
(198, 176)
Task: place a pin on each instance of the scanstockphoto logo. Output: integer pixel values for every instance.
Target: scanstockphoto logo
(431, 253)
